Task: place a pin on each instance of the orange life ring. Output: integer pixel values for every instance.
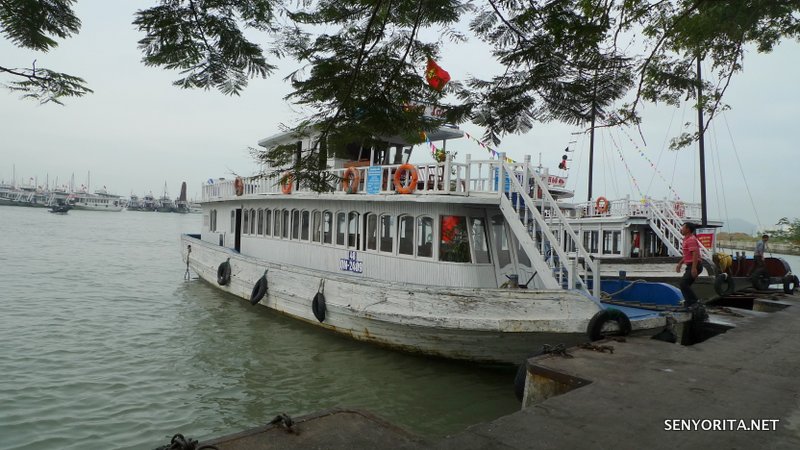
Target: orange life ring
(238, 186)
(679, 208)
(601, 205)
(398, 176)
(287, 183)
(350, 180)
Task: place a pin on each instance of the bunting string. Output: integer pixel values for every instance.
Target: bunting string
(628, 169)
(494, 153)
(434, 150)
(653, 166)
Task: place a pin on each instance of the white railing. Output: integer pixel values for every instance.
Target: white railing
(536, 230)
(640, 208)
(671, 221)
(472, 177)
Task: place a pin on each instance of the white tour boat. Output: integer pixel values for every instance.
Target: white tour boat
(101, 200)
(425, 258)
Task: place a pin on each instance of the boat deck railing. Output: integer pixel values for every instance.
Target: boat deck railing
(639, 208)
(469, 178)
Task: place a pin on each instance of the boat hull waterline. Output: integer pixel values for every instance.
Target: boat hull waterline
(475, 324)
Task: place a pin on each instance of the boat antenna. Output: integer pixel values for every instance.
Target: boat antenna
(701, 143)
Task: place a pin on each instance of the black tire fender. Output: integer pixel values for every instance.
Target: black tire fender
(318, 306)
(789, 283)
(259, 290)
(224, 273)
(723, 284)
(595, 328)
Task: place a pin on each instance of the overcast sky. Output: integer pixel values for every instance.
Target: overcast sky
(138, 132)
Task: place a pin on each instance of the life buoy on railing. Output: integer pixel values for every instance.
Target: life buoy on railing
(287, 183)
(601, 205)
(350, 180)
(680, 209)
(409, 187)
(238, 186)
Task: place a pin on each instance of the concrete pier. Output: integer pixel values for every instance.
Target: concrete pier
(739, 390)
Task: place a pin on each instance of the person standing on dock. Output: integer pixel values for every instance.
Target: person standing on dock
(691, 257)
(761, 247)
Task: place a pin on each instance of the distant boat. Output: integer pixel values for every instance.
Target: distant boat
(101, 200)
(60, 208)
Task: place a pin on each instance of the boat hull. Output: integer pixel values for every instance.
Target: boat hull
(474, 324)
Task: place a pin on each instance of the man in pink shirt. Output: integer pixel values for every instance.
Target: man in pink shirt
(691, 257)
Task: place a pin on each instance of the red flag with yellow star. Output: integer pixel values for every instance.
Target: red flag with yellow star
(436, 76)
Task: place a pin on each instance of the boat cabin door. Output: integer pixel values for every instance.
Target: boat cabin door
(237, 243)
(510, 258)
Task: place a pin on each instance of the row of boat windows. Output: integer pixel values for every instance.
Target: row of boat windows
(611, 242)
(384, 233)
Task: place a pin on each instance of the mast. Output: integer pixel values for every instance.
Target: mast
(701, 144)
(591, 138)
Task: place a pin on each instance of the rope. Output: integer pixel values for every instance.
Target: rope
(284, 421)
(179, 442)
(597, 348)
(736, 152)
(559, 350)
(606, 295)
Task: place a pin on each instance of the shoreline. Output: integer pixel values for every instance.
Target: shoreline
(781, 248)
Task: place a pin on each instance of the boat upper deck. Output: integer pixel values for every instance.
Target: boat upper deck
(473, 181)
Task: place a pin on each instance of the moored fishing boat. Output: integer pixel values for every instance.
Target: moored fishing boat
(425, 258)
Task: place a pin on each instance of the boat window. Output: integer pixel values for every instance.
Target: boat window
(353, 235)
(341, 225)
(213, 226)
(501, 241)
(295, 224)
(387, 233)
(479, 241)
(405, 238)
(276, 231)
(327, 227)
(305, 218)
(611, 242)
(252, 221)
(267, 221)
(233, 221)
(285, 224)
(246, 227)
(454, 244)
(569, 243)
(316, 226)
(590, 241)
(372, 231)
(425, 237)
(260, 226)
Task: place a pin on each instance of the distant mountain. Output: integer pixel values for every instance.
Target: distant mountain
(740, 226)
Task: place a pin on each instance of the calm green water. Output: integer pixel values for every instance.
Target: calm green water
(103, 345)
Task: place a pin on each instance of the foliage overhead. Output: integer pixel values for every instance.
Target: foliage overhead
(360, 61)
(34, 25)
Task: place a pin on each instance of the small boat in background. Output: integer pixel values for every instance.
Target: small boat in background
(61, 208)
